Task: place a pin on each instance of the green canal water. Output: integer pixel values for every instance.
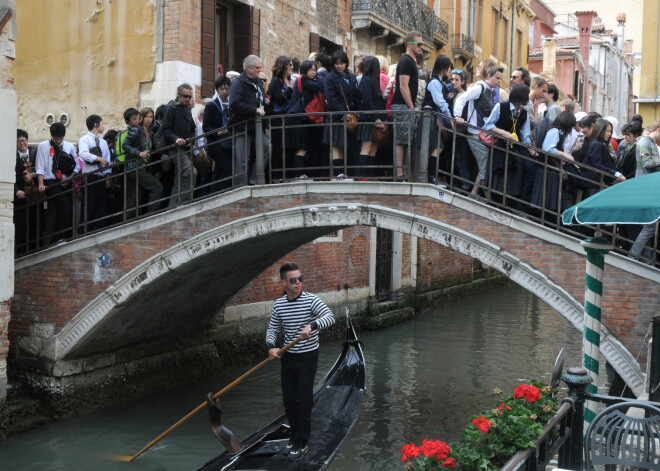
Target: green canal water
(425, 377)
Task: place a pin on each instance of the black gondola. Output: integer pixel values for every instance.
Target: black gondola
(337, 402)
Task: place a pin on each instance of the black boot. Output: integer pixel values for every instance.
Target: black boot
(371, 162)
(432, 171)
(299, 163)
(361, 171)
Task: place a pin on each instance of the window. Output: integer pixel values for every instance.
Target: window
(472, 18)
(480, 17)
(495, 32)
(505, 40)
(519, 39)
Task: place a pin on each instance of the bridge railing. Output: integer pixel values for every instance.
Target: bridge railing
(520, 178)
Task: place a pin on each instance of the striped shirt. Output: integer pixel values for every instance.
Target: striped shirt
(294, 316)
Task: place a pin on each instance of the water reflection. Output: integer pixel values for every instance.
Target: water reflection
(425, 378)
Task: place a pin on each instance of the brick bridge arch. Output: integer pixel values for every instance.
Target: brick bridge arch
(168, 277)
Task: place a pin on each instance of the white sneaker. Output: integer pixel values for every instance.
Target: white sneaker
(342, 178)
(302, 177)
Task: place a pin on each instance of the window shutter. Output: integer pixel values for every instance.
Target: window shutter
(247, 21)
(314, 43)
(209, 71)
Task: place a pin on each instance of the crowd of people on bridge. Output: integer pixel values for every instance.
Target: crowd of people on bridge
(125, 173)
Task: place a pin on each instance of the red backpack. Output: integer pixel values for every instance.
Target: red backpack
(316, 105)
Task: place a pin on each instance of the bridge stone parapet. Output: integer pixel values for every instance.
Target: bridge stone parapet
(142, 282)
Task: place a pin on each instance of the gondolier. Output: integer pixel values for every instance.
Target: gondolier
(302, 314)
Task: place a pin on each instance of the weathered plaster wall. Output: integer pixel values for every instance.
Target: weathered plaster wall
(82, 57)
(7, 162)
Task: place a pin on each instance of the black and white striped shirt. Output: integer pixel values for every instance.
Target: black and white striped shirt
(294, 316)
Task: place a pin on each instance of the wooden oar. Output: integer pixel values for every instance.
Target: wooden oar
(215, 396)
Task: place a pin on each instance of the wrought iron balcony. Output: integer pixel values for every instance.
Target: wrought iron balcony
(400, 16)
(463, 46)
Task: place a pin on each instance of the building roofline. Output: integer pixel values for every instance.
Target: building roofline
(547, 7)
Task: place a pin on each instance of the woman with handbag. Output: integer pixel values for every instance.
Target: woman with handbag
(372, 129)
(341, 94)
(510, 120)
(300, 136)
(435, 98)
(279, 90)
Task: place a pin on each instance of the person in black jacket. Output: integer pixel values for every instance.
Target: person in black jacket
(179, 127)
(218, 146)
(246, 102)
(137, 145)
(372, 100)
(279, 91)
(598, 156)
(299, 137)
(341, 94)
(25, 193)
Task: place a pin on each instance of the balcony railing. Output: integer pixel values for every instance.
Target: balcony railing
(463, 46)
(403, 16)
(273, 162)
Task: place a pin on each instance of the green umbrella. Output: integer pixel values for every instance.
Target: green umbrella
(634, 201)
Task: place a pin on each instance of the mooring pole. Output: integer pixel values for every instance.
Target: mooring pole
(596, 249)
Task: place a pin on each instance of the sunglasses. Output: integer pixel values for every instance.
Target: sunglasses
(187, 96)
(458, 72)
(293, 280)
(416, 44)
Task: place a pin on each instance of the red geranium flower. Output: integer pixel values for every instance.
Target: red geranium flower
(529, 392)
(482, 423)
(435, 449)
(410, 451)
(501, 407)
(450, 463)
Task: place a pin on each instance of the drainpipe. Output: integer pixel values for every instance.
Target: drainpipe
(657, 46)
(513, 30)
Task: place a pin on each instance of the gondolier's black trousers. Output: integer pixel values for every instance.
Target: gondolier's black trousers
(298, 372)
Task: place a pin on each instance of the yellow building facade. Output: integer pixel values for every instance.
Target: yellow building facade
(648, 102)
(81, 57)
(497, 30)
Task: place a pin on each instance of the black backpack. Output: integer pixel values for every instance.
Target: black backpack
(63, 162)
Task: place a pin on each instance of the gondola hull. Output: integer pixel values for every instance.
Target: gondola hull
(337, 403)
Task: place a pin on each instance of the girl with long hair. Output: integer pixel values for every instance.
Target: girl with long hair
(435, 98)
(372, 100)
(341, 94)
(599, 156)
(300, 137)
(279, 91)
(459, 84)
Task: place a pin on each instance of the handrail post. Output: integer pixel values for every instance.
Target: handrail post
(259, 147)
(571, 453)
(421, 169)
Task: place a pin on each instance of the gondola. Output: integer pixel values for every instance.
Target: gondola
(337, 402)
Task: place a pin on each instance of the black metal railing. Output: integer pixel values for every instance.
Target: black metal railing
(407, 15)
(272, 161)
(463, 45)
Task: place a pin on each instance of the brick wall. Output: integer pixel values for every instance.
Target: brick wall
(326, 266)
(439, 266)
(182, 26)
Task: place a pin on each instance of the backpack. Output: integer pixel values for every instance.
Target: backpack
(316, 104)
(119, 149)
(119, 146)
(63, 162)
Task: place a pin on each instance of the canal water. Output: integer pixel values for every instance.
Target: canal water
(425, 378)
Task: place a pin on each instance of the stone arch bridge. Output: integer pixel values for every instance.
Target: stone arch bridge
(71, 314)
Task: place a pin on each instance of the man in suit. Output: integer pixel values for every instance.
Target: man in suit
(216, 116)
